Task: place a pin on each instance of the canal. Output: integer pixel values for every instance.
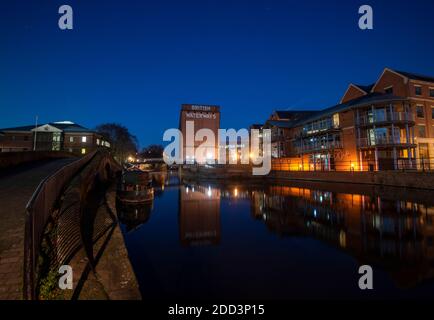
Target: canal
(202, 240)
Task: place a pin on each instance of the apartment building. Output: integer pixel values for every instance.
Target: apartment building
(55, 136)
(382, 126)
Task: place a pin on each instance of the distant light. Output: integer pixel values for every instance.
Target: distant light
(64, 122)
(236, 192)
(186, 189)
(314, 213)
(209, 191)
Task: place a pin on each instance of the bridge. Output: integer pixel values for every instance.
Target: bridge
(55, 212)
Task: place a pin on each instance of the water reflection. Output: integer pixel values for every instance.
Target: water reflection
(388, 228)
(199, 215)
(134, 215)
(394, 234)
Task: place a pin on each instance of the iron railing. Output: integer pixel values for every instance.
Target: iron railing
(382, 141)
(38, 211)
(383, 164)
(385, 117)
(319, 146)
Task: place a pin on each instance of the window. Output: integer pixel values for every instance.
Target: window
(388, 90)
(83, 150)
(26, 138)
(431, 92)
(84, 139)
(71, 139)
(419, 112)
(418, 90)
(97, 141)
(423, 150)
(432, 112)
(336, 120)
(421, 131)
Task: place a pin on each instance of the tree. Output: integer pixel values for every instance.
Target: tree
(123, 143)
(152, 151)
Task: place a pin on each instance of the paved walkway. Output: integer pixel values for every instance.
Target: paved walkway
(16, 188)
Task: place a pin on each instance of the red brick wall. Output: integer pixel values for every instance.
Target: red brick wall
(16, 141)
(352, 93)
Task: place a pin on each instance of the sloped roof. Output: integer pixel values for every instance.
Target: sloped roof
(65, 126)
(415, 76)
(69, 127)
(22, 128)
(365, 88)
(370, 98)
(291, 114)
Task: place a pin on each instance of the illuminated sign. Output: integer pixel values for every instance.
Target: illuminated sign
(198, 115)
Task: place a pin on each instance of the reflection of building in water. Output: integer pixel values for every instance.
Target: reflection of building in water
(134, 215)
(199, 217)
(375, 230)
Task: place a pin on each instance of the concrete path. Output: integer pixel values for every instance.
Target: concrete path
(16, 188)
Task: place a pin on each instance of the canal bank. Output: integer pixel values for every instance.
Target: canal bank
(406, 179)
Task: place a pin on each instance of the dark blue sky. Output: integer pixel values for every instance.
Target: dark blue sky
(135, 62)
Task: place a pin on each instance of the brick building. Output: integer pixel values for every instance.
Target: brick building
(55, 136)
(202, 117)
(382, 126)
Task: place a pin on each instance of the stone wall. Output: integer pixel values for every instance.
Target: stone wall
(409, 179)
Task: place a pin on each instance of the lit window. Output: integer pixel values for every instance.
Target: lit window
(336, 120)
(419, 112)
(83, 139)
(97, 141)
(83, 150)
(71, 139)
(418, 90)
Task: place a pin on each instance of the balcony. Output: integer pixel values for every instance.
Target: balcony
(318, 147)
(319, 127)
(383, 142)
(386, 118)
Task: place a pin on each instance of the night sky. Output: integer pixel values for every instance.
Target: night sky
(135, 62)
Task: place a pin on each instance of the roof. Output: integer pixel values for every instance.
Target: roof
(370, 98)
(291, 114)
(365, 88)
(69, 127)
(65, 126)
(279, 123)
(415, 76)
(22, 128)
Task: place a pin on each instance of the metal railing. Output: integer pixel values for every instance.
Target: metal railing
(38, 211)
(319, 126)
(385, 117)
(381, 141)
(383, 164)
(319, 146)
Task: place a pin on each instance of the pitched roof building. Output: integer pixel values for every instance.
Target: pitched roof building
(53, 136)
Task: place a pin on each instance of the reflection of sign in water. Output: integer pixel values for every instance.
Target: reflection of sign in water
(199, 218)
